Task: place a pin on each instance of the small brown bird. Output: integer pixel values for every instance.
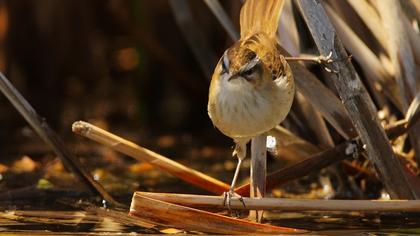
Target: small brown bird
(252, 87)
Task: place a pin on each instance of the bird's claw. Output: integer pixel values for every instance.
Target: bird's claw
(325, 61)
(228, 196)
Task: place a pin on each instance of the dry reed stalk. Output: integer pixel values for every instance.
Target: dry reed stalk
(372, 66)
(290, 146)
(142, 154)
(315, 122)
(400, 50)
(402, 58)
(413, 112)
(357, 101)
(322, 99)
(288, 36)
(258, 172)
(202, 201)
(313, 163)
(190, 219)
(414, 39)
(41, 127)
(372, 20)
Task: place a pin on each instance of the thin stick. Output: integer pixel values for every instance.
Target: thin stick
(202, 201)
(357, 101)
(142, 154)
(190, 219)
(258, 172)
(44, 131)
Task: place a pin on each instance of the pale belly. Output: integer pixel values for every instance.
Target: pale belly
(246, 114)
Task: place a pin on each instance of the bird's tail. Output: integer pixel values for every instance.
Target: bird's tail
(260, 16)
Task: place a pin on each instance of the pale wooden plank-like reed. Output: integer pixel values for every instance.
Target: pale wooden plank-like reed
(190, 219)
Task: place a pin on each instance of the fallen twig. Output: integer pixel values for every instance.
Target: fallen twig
(142, 154)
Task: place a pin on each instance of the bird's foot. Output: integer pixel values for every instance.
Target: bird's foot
(325, 62)
(227, 199)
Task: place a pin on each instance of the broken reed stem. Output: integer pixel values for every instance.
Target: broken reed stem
(302, 168)
(357, 101)
(203, 201)
(258, 172)
(44, 131)
(142, 154)
(322, 159)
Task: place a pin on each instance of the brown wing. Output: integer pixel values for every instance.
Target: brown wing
(260, 16)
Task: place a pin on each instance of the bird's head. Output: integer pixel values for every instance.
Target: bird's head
(240, 65)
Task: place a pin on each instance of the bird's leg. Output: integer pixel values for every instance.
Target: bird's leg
(321, 60)
(312, 58)
(227, 196)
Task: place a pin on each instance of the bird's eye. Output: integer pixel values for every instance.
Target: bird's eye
(248, 72)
